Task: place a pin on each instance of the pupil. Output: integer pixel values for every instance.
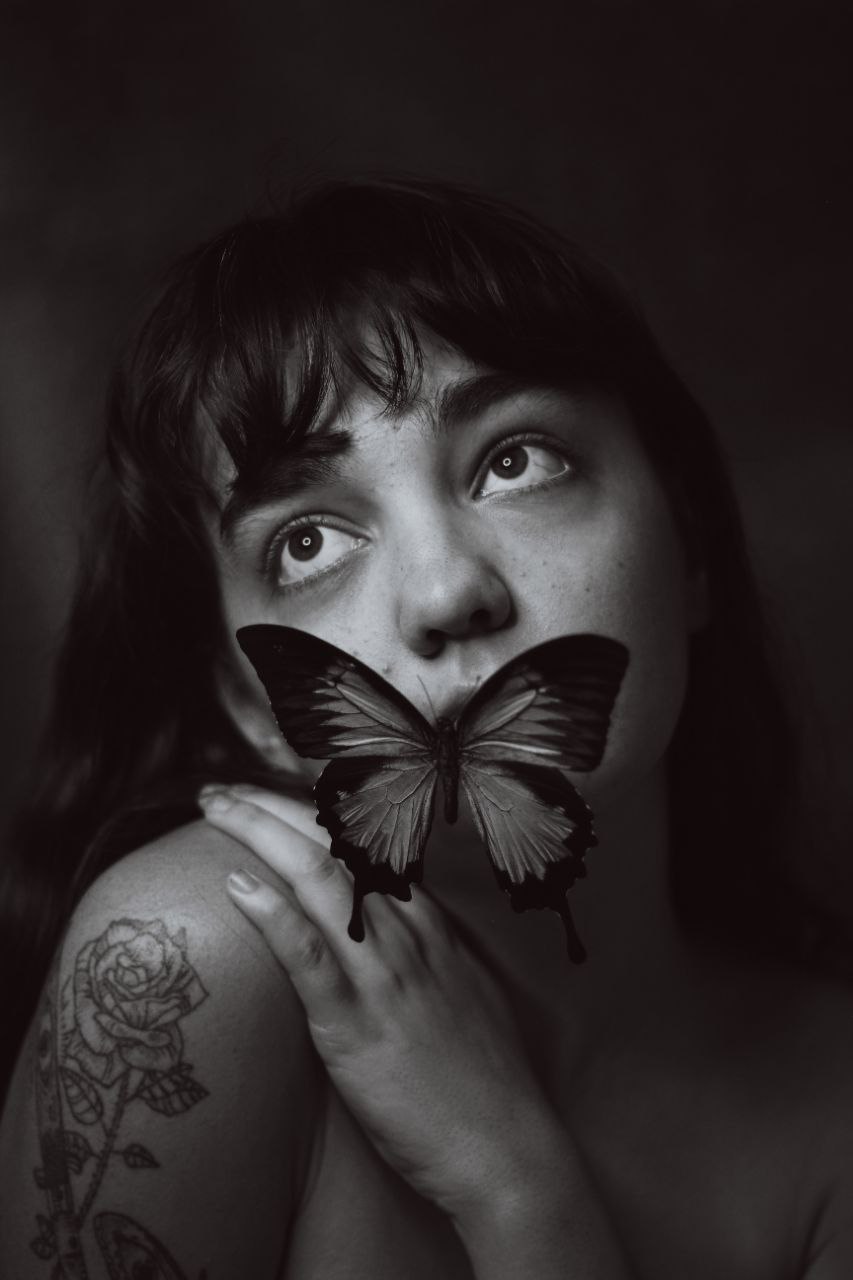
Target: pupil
(511, 463)
(305, 543)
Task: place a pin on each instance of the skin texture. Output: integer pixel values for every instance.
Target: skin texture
(468, 1128)
(440, 571)
(654, 1113)
(442, 554)
(437, 566)
(442, 566)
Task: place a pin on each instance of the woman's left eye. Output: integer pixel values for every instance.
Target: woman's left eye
(521, 466)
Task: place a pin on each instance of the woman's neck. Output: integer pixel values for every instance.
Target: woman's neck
(640, 974)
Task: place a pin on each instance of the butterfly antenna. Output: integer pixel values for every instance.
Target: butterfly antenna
(429, 700)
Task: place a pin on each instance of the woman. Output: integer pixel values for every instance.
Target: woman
(415, 425)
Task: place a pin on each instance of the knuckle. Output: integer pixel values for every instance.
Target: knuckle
(322, 868)
(310, 952)
(250, 815)
(280, 912)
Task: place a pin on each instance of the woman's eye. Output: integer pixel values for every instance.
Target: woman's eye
(310, 549)
(521, 466)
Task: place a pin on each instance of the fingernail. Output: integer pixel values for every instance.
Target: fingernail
(215, 801)
(243, 881)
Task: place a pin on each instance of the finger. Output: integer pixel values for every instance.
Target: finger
(296, 812)
(428, 928)
(320, 882)
(422, 913)
(300, 815)
(296, 942)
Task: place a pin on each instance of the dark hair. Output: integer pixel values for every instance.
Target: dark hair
(250, 335)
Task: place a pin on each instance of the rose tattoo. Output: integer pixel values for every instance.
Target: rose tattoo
(118, 1041)
(131, 986)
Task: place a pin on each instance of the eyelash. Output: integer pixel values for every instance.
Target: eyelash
(530, 437)
(272, 551)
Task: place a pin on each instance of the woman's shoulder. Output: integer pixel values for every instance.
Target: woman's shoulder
(790, 1030)
(819, 1039)
(815, 1105)
(186, 866)
(172, 1054)
(788, 1073)
(159, 960)
(170, 894)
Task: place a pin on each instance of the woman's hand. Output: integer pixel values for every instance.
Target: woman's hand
(413, 1031)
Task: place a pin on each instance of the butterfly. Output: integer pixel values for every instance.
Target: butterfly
(543, 714)
(132, 1253)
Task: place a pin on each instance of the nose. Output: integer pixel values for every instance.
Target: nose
(451, 595)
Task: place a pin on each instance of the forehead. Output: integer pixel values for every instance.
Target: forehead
(448, 392)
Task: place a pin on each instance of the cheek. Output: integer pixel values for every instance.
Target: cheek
(630, 584)
(653, 625)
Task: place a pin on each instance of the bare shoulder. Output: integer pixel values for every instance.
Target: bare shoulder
(820, 1072)
(168, 1097)
(183, 873)
(816, 1033)
(166, 904)
(797, 1065)
(789, 1035)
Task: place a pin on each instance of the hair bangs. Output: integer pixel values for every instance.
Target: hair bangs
(264, 331)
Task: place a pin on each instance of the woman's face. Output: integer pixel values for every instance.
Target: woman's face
(438, 544)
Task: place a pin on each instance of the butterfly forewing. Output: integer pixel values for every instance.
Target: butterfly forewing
(550, 705)
(329, 704)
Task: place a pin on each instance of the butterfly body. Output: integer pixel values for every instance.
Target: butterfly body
(447, 765)
(542, 716)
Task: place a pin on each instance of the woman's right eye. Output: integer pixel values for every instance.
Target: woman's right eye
(309, 550)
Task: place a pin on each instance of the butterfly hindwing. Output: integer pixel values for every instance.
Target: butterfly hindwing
(329, 704)
(378, 813)
(536, 827)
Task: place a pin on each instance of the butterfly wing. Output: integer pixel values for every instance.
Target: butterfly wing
(550, 705)
(376, 797)
(130, 1251)
(378, 813)
(329, 704)
(542, 715)
(536, 827)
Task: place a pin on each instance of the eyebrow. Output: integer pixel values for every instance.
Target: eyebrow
(316, 459)
(308, 464)
(471, 397)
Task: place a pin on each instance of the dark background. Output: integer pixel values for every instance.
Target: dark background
(703, 149)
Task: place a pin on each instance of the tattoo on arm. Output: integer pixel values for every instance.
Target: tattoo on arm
(110, 1040)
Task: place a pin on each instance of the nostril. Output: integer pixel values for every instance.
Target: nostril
(433, 644)
(480, 621)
